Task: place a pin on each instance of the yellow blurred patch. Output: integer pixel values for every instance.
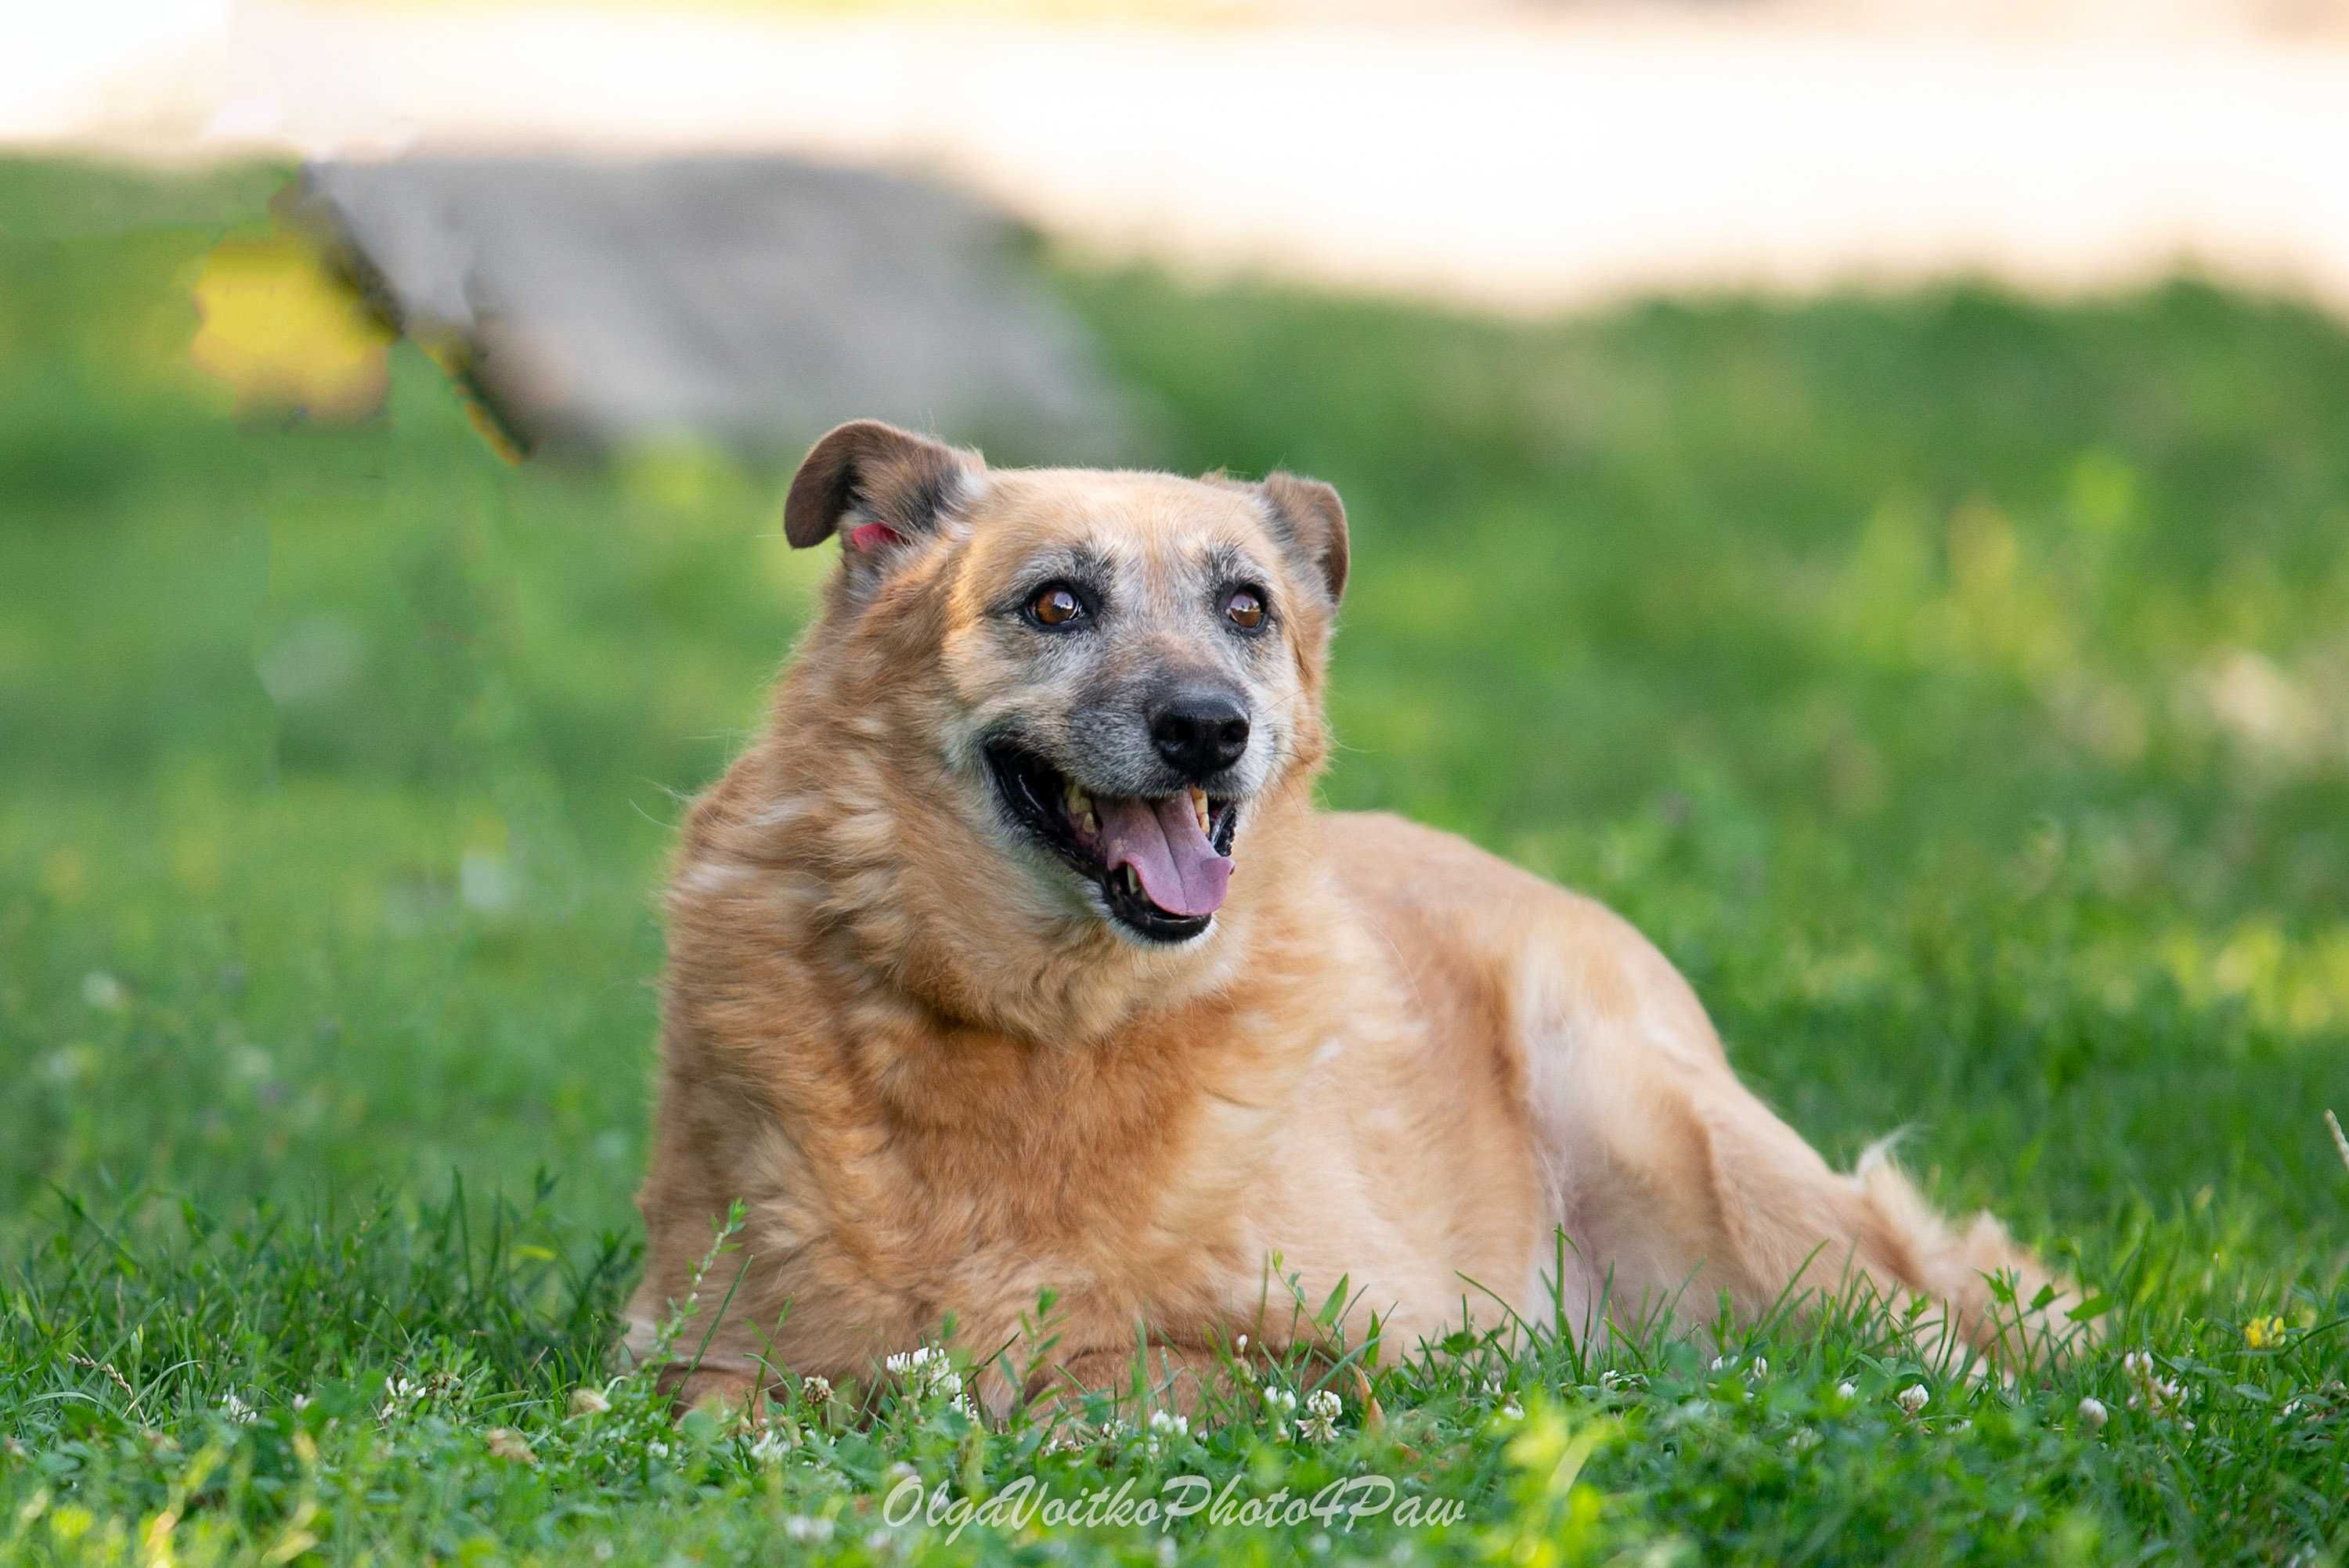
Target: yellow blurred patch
(197, 861)
(285, 334)
(63, 877)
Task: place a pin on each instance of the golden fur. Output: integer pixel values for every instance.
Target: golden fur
(941, 1083)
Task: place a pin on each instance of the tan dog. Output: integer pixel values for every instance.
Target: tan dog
(1014, 955)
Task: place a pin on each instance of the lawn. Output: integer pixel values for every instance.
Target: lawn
(1951, 685)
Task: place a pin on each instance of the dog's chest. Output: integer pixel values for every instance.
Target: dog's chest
(1121, 1169)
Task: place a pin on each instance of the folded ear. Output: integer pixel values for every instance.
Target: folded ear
(881, 485)
(1311, 522)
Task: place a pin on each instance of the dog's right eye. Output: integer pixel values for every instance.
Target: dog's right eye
(1056, 605)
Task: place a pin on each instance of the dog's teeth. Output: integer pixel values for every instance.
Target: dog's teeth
(1199, 806)
(1079, 802)
(1088, 824)
(1133, 880)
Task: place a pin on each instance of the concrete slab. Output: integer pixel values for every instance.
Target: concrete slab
(753, 301)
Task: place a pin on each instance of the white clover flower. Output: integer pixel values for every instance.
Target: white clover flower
(2093, 1413)
(657, 1449)
(1320, 1423)
(815, 1391)
(301, 1403)
(801, 1528)
(927, 1372)
(399, 1393)
(771, 1446)
(1801, 1440)
(2156, 1394)
(1513, 1411)
(1847, 1390)
(237, 1410)
(1719, 1363)
(1912, 1399)
(1761, 1368)
(589, 1402)
(1163, 1428)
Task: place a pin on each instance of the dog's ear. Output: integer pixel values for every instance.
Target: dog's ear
(1312, 523)
(880, 486)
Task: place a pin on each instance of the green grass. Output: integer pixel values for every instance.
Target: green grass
(1951, 685)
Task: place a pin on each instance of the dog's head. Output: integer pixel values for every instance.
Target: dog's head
(1101, 684)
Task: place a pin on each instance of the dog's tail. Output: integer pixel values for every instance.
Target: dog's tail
(2002, 1299)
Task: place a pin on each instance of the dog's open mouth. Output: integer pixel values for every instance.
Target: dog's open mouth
(1162, 865)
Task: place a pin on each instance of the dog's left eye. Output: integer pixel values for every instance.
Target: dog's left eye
(1244, 609)
(1056, 605)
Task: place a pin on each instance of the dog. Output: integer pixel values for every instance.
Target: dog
(1015, 957)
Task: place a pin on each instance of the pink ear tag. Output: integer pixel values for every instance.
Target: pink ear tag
(871, 536)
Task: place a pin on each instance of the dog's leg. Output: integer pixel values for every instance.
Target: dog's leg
(724, 1391)
(1675, 1184)
(1173, 1377)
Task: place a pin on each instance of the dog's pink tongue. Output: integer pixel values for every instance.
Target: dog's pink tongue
(1161, 839)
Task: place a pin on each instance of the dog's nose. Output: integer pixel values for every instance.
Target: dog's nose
(1199, 732)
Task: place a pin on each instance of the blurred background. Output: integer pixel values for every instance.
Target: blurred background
(1863, 486)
